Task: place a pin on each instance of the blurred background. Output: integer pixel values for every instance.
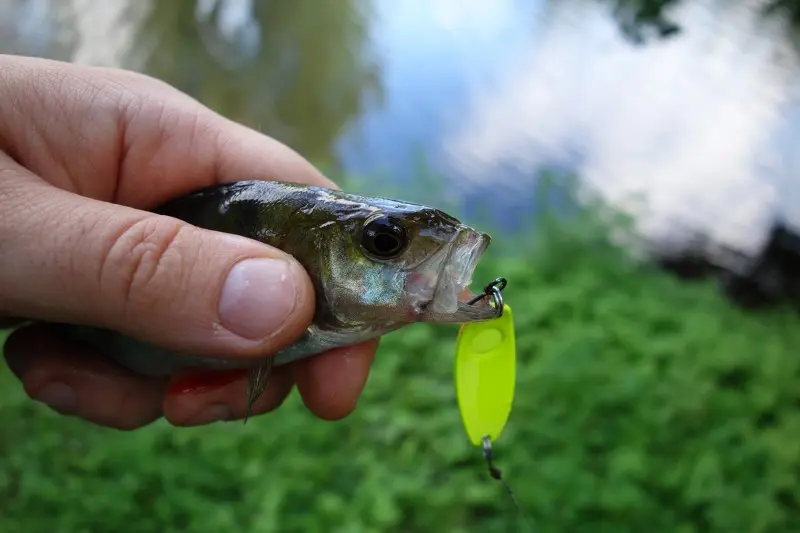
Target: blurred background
(636, 163)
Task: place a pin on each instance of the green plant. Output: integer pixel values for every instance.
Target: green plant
(643, 404)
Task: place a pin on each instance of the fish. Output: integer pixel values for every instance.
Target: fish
(376, 265)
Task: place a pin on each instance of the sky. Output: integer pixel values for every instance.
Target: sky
(695, 134)
(691, 134)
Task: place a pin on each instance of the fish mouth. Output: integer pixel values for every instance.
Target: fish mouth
(451, 297)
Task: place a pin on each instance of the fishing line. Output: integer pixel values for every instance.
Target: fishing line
(495, 473)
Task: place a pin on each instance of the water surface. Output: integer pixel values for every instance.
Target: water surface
(693, 133)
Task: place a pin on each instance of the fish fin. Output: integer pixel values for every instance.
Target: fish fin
(256, 383)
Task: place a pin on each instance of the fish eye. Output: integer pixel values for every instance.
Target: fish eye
(384, 238)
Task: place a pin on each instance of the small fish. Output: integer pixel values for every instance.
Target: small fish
(376, 264)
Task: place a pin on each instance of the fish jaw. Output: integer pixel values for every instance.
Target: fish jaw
(449, 297)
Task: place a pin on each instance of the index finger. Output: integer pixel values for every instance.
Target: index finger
(243, 151)
(141, 141)
(192, 147)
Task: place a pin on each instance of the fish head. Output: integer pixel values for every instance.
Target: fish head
(393, 263)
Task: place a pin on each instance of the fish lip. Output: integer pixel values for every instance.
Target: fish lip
(477, 242)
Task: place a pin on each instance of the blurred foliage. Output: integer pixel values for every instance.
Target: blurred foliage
(268, 74)
(639, 17)
(643, 404)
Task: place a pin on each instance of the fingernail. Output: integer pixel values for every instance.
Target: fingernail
(257, 297)
(59, 396)
(212, 413)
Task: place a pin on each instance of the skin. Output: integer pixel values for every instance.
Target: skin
(83, 153)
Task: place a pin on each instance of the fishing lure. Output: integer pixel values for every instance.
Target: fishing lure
(485, 377)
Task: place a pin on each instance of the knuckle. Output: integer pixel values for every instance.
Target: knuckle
(146, 263)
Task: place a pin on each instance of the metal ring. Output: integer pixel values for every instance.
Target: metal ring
(493, 291)
(497, 300)
(486, 444)
(500, 283)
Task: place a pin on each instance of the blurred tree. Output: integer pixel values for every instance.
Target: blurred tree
(790, 9)
(300, 71)
(636, 17)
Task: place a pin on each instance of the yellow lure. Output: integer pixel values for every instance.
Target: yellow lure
(485, 375)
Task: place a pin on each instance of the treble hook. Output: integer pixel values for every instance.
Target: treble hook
(493, 291)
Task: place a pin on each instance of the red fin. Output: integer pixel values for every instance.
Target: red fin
(201, 381)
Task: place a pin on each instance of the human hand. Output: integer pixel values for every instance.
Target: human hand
(83, 151)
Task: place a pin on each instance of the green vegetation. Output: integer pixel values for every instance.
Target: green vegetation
(643, 404)
(637, 16)
(305, 103)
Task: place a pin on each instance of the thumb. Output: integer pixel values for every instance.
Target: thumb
(67, 258)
